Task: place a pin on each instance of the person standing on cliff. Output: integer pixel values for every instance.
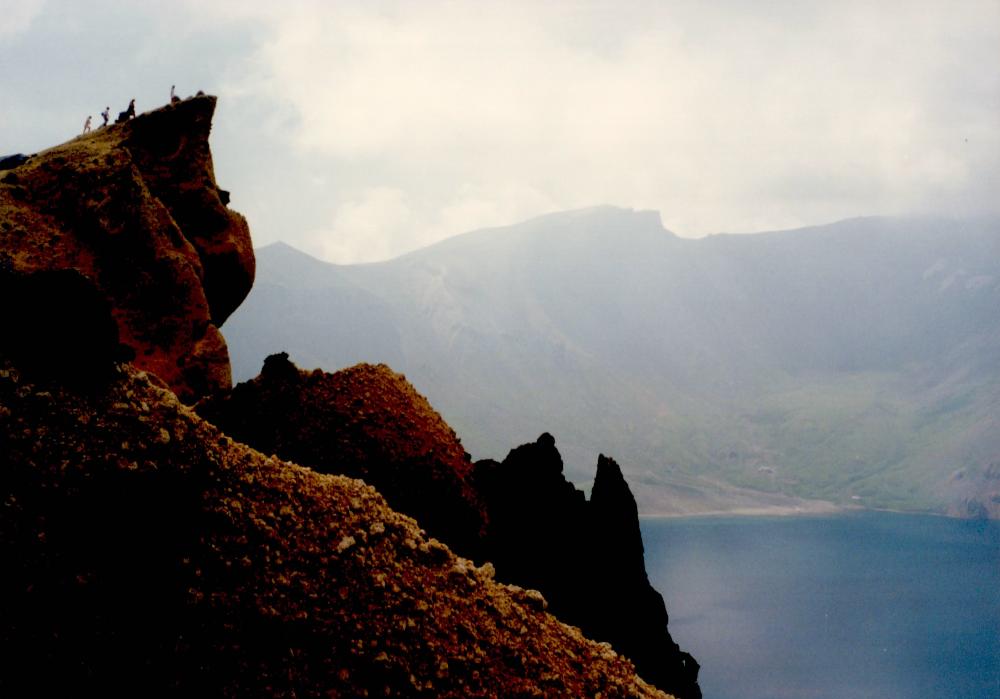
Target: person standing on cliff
(106, 114)
(127, 114)
(173, 98)
(86, 125)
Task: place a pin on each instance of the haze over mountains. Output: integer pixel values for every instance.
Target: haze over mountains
(857, 362)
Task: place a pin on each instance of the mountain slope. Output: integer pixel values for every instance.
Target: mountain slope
(146, 552)
(857, 362)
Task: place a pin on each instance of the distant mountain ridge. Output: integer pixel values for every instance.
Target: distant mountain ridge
(857, 362)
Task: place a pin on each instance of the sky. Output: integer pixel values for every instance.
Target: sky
(357, 131)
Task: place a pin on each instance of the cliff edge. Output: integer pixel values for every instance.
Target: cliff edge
(135, 209)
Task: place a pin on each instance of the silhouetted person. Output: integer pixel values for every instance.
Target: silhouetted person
(106, 114)
(173, 98)
(86, 125)
(128, 113)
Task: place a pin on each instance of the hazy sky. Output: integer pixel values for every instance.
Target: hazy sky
(360, 130)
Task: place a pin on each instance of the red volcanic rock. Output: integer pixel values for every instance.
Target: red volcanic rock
(366, 422)
(135, 209)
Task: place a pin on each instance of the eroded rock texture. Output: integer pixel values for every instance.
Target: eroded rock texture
(135, 209)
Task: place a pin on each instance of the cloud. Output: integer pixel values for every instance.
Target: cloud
(381, 222)
(18, 15)
(368, 227)
(722, 118)
(368, 129)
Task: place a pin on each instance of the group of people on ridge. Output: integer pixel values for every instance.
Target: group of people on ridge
(126, 115)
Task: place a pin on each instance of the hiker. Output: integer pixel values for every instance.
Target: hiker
(128, 113)
(173, 98)
(86, 125)
(105, 115)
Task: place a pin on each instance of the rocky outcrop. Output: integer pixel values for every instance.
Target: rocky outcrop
(365, 422)
(522, 515)
(630, 613)
(135, 209)
(585, 556)
(146, 553)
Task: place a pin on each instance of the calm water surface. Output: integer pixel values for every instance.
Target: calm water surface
(858, 605)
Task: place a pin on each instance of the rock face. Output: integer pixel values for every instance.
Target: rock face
(585, 557)
(147, 553)
(135, 209)
(365, 422)
(625, 609)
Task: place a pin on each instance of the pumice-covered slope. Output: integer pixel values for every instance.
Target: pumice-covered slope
(135, 209)
(146, 553)
(366, 422)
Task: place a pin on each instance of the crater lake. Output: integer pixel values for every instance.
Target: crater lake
(867, 604)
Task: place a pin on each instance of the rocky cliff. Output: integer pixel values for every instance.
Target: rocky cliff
(585, 556)
(148, 552)
(135, 209)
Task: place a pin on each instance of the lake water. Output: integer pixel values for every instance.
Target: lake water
(857, 605)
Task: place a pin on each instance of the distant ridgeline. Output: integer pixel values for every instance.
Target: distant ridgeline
(857, 363)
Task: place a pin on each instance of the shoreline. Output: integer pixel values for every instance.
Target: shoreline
(819, 508)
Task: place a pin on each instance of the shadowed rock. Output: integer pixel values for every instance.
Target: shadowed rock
(9, 162)
(585, 557)
(56, 324)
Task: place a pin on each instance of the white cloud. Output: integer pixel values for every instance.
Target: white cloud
(365, 129)
(365, 228)
(17, 16)
(723, 119)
